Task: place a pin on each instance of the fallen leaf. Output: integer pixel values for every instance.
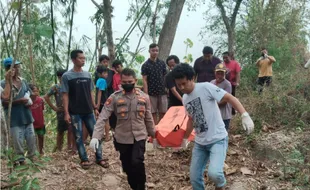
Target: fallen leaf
(231, 171)
(265, 128)
(246, 171)
(232, 152)
(83, 171)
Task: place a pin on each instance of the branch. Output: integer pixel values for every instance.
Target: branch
(234, 15)
(97, 5)
(219, 4)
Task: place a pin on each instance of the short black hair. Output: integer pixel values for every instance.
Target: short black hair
(60, 72)
(183, 70)
(226, 53)
(129, 72)
(101, 69)
(207, 50)
(116, 63)
(74, 53)
(263, 48)
(8, 67)
(153, 45)
(174, 57)
(32, 86)
(104, 57)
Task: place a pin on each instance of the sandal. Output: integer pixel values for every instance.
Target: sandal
(103, 164)
(85, 165)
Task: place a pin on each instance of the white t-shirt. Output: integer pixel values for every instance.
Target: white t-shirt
(202, 106)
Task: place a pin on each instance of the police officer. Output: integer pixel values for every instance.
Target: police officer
(134, 124)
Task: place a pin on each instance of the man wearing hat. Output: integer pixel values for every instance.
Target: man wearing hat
(21, 118)
(221, 82)
(204, 65)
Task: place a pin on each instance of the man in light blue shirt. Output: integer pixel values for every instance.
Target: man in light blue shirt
(211, 141)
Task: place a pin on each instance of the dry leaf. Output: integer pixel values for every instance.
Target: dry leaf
(265, 128)
(246, 171)
(231, 171)
(83, 171)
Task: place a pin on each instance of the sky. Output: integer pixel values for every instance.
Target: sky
(189, 26)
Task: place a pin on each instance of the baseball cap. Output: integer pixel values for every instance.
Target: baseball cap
(220, 67)
(8, 61)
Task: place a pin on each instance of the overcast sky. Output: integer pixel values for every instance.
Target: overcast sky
(190, 25)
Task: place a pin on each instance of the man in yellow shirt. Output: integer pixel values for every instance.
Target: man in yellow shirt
(264, 64)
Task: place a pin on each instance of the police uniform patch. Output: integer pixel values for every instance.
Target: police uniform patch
(108, 102)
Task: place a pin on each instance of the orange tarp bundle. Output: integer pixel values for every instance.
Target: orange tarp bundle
(171, 128)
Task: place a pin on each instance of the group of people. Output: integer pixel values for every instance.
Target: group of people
(205, 90)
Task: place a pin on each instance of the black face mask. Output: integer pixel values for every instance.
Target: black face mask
(128, 87)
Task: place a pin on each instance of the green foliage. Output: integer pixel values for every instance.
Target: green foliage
(23, 175)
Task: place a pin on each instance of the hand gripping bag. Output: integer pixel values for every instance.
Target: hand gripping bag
(171, 128)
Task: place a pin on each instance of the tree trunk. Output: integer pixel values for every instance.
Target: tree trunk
(107, 14)
(53, 39)
(168, 31)
(231, 41)
(16, 55)
(70, 34)
(154, 22)
(30, 48)
(230, 23)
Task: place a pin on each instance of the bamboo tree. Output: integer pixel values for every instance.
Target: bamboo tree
(30, 46)
(53, 39)
(70, 34)
(16, 55)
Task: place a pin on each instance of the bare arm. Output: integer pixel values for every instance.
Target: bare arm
(189, 128)
(99, 94)
(235, 103)
(145, 87)
(65, 101)
(176, 94)
(238, 78)
(93, 100)
(271, 58)
(47, 98)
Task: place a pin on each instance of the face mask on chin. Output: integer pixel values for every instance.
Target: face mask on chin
(128, 87)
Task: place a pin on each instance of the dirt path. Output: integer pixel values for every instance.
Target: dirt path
(167, 169)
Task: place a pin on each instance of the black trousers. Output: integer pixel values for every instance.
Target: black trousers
(132, 158)
(233, 92)
(261, 81)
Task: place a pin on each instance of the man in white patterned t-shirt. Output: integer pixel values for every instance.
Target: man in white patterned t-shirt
(201, 103)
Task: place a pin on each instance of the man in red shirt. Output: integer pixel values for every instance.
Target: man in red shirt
(233, 73)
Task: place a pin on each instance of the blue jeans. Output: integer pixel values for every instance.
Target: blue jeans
(216, 154)
(226, 122)
(19, 134)
(89, 120)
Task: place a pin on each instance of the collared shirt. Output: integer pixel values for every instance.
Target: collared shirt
(155, 72)
(205, 68)
(134, 117)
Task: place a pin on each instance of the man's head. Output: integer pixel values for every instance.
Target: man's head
(59, 73)
(207, 52)
(35, 90)
(184, 76)
(104, 60)
(102, 71)
(220, 71)
(264, 51)
(78, 58)
(7, 65)
(226, 57)
(172, 61)
(118, 66)
(128, 79)
(153, 50)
